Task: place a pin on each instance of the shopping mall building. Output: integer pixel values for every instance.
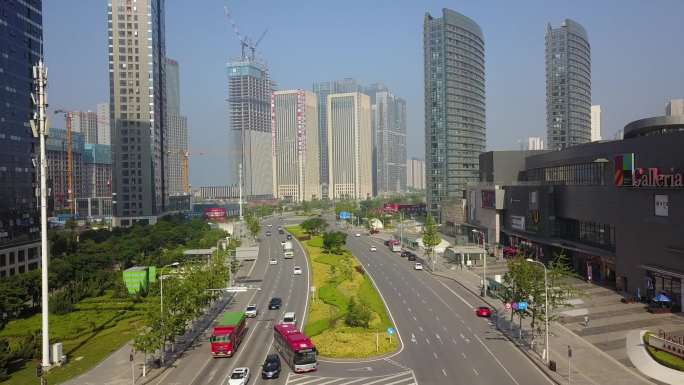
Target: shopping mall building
(614, 208)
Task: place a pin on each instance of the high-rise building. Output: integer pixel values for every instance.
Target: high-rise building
(535, 143)
(595, 123)
(137, 97)
(103, 127)
(85, 122)
(388, 125)
(294, 121)
(21, 39)
(322, 90)
(568, 85)
(249, 100)
(349, 146)
(455, 135)
(415, 174)
(56, 151)
(97, 165)
(177, 132)
(674, 107)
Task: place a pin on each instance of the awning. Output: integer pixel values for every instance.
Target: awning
(663, 270)
(562, 243)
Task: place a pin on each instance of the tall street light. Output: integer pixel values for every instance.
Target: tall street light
(484, 262)
(161, 304)
(546, 305)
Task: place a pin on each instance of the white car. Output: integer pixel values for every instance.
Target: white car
(297, 270)
(239, 376)
(282, 243)
(373, 248)
(418, 266)
(251, 311)
(273, 261)
(270, 225)
(357, 234)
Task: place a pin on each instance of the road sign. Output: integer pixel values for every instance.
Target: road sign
(390, 331)
(345, 215)
(522, 305)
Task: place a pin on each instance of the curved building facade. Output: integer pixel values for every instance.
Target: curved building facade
(455, 132)
(568, 85)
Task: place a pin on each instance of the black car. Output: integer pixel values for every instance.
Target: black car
(411, 257)
(289, 236)
(275, 303)
(271, 367)
(405, 254)
(280, 231)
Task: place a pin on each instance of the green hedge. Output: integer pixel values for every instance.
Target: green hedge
(663, 357)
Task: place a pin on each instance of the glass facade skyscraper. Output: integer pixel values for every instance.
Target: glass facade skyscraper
(455, 132)
(568, 86)
(21, 39)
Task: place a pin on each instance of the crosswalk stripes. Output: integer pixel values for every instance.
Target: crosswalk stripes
(403, 378)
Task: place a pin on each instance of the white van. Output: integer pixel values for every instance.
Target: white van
(290, 318)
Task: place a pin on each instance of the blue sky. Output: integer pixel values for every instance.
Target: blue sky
(637, 59)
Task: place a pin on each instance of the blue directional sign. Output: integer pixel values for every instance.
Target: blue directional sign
(390, 331)
(345, 215)
(522, 306)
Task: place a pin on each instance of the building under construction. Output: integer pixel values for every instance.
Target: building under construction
(249, 102)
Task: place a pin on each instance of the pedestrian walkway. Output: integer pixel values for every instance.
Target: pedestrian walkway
(402, 378)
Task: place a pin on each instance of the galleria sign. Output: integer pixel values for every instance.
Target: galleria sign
(652, 177)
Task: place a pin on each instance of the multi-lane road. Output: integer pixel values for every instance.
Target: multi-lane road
(442, 341)
(197, 365)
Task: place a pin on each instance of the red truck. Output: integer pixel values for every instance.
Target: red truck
(228, 334)
(394, 245)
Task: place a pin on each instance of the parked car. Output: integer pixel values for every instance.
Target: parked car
(405, 254)
(411, 257)
(251, 311)
(273, 261)
(373, 248)
(275, 303)
(297, 270)
(271, 367)
(483, 311)
(239, 376)
(418, 266)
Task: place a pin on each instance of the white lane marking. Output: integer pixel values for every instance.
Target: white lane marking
(421, 328)
(445, 328)
(385, 378)
(413, 338)
(437, 317)
(444, 373)
(399, 293)
(418, 293)
(462, 336)
(409, 309)
(456, 294)
(439, 338)
(463, 354)
(497, 360)
(403, 301)
(423, 301)
(477, 374)
(469, 329)
(435, 355)
(454, 340)
(427, 340)
(414, 318)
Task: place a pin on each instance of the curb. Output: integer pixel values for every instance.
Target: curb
(550, 375)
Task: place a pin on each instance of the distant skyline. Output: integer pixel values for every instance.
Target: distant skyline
(635, 71)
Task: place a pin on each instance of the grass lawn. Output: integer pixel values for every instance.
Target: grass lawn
(338, 279)
(664, 358)
(98, 327)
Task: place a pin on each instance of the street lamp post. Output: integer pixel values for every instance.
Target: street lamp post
(484, 262)
(546, 307)
(161, 305)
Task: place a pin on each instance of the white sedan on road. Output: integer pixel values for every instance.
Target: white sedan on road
(239, 376)
(273, 261)
(297, 270)
(251, 311)
(373, 248)
(418, 266)
(357, 234)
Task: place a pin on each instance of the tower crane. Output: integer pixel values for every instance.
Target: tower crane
(245, 41)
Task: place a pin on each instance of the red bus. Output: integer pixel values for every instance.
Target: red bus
(295, 348)
(228, 334)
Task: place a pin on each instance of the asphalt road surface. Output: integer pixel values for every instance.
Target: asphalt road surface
(197, 366)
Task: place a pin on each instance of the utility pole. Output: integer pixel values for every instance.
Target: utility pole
(39, 127)
(240, 187)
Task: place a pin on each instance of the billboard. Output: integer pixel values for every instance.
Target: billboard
(215, 213)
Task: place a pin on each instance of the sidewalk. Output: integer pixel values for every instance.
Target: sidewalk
(117, 369)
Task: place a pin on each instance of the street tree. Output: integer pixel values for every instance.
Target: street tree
(253, 225)
(314, 226)
(430, 236)
(333, 241)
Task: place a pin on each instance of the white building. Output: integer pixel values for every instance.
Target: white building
(674, 107)
(103, 130)
(350, 146)
(176, 134)
(85, 122)
(535, 143)
(294, 125)
(595, 123)
(415, 174)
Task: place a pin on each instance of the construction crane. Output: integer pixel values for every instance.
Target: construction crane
(197, 152)
(244, 40)
(70, 162)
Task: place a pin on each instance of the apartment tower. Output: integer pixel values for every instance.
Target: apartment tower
(137, 110)
(455, 135)
(568, 86)
(349, 146)
(294, 123)
(177, 133)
